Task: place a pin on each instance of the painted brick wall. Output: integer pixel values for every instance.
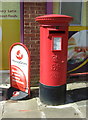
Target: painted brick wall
(31, 35)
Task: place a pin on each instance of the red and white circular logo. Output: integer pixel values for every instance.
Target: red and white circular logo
(19, 55)
(15, 93)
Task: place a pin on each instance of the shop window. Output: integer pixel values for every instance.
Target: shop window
(73, 9)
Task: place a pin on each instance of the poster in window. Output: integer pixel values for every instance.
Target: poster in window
(78, 51)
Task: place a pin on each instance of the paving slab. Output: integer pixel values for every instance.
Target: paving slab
(76, 85)
(1, 108)
(71, 110)
(82, 103)
(83, 110)
(33, 108)
(18, 105)
(23, 114)
(61, 113)
(83, 107)
(21, 109)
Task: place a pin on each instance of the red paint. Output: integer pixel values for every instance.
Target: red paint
(19, 55)
(18, 78)
(75, 74)
(25, 110)
(53, 63)
(15, 93)
(54, 19)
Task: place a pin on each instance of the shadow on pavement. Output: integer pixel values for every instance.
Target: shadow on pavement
(77, 95)
(35, 93)
(71, 95)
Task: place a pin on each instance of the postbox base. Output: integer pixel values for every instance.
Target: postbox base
(52, 95)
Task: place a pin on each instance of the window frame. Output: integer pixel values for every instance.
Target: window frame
(74, 24)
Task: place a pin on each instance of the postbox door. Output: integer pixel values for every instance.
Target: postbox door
(58, 58)
(53, 55)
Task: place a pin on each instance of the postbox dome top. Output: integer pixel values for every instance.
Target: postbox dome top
(57, 18)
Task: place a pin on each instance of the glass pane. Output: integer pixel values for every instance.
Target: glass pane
(57, 43)
(72, 9)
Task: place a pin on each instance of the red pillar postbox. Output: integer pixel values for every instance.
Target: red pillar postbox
(53, 57)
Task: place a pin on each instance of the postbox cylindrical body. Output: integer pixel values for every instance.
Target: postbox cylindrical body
(53, 57)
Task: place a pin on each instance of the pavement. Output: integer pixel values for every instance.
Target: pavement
(76, 106)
